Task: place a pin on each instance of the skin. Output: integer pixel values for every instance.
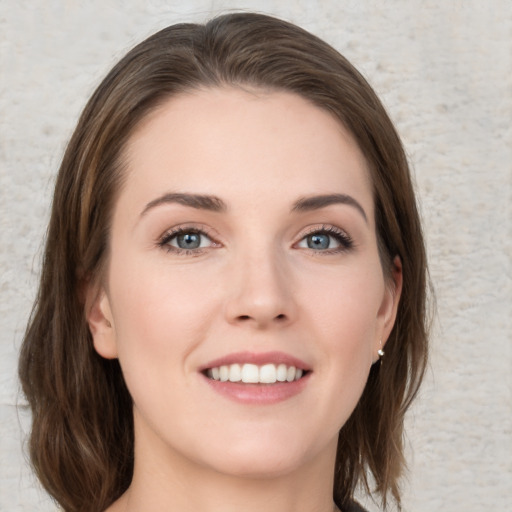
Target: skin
(254, 285)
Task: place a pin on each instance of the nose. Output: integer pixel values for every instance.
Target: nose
(261, 292)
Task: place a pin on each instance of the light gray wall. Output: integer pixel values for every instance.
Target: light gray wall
(444, 70)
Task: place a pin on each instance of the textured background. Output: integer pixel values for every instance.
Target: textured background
(443, 69)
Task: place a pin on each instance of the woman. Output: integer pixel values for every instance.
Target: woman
(234, 245)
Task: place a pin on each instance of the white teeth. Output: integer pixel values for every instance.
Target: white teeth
(235, 373)
(224, 373)
(281, 373)
(268, 374)
(253, 374)
(250, 374)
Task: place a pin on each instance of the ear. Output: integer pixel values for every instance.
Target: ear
(389, 307)
(100, 321)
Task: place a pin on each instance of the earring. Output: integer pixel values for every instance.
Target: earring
(380, 351)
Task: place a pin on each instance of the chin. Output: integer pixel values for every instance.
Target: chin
(260, 466)
(263, 456)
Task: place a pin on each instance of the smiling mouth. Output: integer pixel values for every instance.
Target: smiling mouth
(255, 374)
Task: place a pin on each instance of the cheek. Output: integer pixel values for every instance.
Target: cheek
(160, 315)
(159, 311)
(344, 303)
(343, 312)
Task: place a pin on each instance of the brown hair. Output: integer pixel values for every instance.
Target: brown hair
(81, 444)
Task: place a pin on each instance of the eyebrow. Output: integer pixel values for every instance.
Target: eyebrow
(199, 201)
(321, 201)
(215, 204)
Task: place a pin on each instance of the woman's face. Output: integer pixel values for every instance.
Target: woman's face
(243, 246)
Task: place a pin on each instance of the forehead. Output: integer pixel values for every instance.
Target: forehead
(213, 141)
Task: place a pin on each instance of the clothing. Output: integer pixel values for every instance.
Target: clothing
(354, 507)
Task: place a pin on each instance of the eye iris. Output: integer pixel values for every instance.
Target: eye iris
(188, 240)
(318, 241)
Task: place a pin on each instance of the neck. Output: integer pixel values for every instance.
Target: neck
(223, 494)
(166, 481)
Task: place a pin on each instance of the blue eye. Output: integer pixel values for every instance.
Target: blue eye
(326, 240)
(319, 241)
(186, 240)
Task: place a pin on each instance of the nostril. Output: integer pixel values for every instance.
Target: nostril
(244, 318)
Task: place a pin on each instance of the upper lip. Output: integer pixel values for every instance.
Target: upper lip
(256, 358)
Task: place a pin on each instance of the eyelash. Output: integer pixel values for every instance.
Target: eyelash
(164, 241)
(345, 241)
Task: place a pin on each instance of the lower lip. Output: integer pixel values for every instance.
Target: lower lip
(258, 394)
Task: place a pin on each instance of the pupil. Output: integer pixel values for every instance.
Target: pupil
(318, 242)
(189, 241)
